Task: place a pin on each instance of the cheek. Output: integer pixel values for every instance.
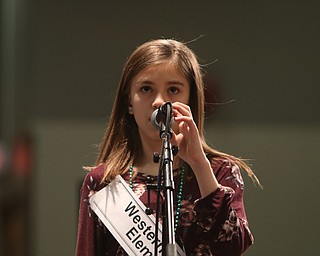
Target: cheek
(136, 103)
(186, 97)
(133, 100)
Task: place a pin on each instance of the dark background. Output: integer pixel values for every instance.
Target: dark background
(60, 65)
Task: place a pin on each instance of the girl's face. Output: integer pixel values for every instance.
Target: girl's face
(150, 89)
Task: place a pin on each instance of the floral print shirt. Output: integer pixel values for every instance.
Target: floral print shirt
(214, 225)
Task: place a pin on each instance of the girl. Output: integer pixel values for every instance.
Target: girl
(209, 211)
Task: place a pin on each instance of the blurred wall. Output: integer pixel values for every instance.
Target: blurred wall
(61, 62)
(69, 54)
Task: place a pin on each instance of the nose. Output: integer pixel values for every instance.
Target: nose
(158, 101)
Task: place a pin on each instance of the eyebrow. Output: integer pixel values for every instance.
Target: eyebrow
(144, 82)
(176, 82)
(171, 82)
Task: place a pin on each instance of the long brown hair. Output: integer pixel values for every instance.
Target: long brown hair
(121, 145)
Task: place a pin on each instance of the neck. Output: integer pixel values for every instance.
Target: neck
(150, 168)
(148, 148)
(146, 164)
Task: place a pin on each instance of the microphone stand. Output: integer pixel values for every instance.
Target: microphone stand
(165, 167)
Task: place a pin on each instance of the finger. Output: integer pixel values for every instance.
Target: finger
(181, 109)
(176, 139)
(187, 121)
(184, 128)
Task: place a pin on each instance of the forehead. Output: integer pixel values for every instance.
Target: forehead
(161, 71)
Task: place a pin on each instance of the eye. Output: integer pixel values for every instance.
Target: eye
(173, 90)
(146, 88)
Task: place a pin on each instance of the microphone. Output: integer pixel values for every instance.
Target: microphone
(159, 115)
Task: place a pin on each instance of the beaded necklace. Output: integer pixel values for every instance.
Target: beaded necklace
(179, 196)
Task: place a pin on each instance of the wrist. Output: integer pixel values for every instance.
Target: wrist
(199, 163)
(205, 176)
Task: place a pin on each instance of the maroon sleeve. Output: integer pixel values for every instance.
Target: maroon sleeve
(220, 225)
(86, 225)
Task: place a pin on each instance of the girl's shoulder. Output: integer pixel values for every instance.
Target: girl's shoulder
(221, 163)
(227, 172)
(93, 179)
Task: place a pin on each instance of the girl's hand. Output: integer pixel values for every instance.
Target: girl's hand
(186, 135)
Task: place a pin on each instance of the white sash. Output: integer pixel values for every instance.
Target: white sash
(124, 215)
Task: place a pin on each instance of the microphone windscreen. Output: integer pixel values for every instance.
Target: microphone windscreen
(154, 120)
